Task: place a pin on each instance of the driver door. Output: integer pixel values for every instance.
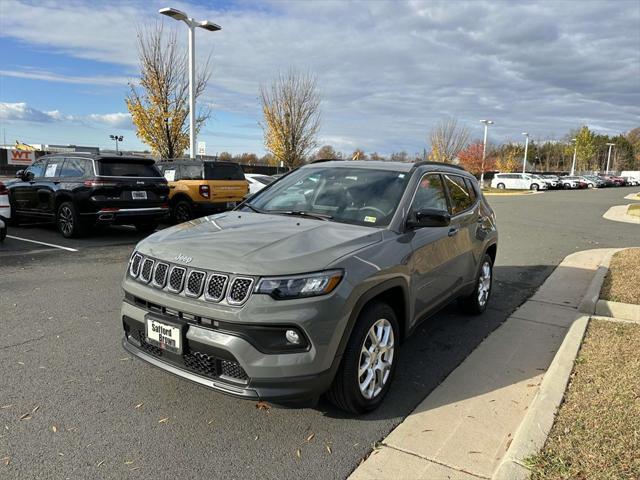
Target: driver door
(433, 262)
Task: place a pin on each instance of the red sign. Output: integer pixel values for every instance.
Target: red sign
(20, 157)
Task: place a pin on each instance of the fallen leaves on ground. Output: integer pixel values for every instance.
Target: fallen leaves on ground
(54, 429)
(99, 463)
(163, 420)
(139, 405)
(25, 416)
(298, 453)
(6, 460)
(310, 437)
(328, 447)
(263, 406)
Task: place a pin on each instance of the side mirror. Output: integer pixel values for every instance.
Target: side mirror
(428, 217)
(20, 174)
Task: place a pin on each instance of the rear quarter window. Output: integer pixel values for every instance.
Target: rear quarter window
(458, 194)
(127, 169)
(217, 171)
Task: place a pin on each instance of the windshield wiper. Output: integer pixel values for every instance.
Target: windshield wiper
(255, 209)
(302, 213)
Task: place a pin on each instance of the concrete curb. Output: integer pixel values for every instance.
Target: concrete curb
(626, 311)
(534, 429)
(592, 295)
(633, 196)
(618, 213)
(496, 194)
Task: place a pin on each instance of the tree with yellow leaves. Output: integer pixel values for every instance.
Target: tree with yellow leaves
(159, 105)
(291, 109)
(447, 140)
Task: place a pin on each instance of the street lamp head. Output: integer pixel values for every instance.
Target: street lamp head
(173, 13)
(487, 122)
(611, 144)
(526, 134)
(207, 25)
(573, 140)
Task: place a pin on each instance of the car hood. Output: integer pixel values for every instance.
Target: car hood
(258, 244)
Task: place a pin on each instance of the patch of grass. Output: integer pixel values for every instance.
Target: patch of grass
(596, 434)
(504, 190)
(622, 283)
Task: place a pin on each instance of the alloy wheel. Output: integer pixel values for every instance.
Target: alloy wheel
(484, 284)
(376, 359)
(65, 220)
(182, 214)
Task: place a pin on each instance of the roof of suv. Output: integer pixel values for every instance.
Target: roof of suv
(99, 156)
(380, 165)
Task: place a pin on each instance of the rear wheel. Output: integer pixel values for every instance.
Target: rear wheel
(369, 361)
(476, 303)
(535, 186)
(3, 233)
(566, 186)
(68, 220)
(148, 227)
(500, 186)
(182, 212)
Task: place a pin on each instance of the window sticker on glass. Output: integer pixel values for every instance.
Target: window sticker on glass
(369, 219)
(51, 170)
(170, 175)
(401, 175)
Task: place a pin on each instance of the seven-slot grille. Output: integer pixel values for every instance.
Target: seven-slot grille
(147, 269)
(213, 287)
(239, 290)
(195, 281)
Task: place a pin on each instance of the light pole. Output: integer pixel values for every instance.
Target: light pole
(526, 149)
(116, 138)
(609, 157)
(192, 24)
(484, 149)
(575, 151)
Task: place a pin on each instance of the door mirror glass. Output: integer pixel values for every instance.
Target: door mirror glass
(428, 217)
(20, 174)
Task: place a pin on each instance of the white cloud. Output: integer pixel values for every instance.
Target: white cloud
(22, 112)
(32, 74)
(387, 71)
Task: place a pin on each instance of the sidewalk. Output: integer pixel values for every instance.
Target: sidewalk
(463, 429)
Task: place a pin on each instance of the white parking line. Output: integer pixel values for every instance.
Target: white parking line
(44, 243)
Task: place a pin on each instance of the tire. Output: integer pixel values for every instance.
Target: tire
(476, 303)
(566, 186)
(345, 391)
(535, 187)
(68, 220)
(149, 227)
(3, 234)
(589, 185)
(500, 186)
(182, 212)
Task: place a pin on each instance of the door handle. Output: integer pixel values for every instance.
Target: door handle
(453, 231)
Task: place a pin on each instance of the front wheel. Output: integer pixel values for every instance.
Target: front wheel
(500, 186)
(3, 233)
(535, 187)
(369, 361)
(476, 303)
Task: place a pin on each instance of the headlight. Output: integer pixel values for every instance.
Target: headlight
(300, 286)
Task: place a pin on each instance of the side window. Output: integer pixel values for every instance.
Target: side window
(472, 189)
(54, 165)
(190, 172)
(170, 172)
(37, 168)
(74, 167)
(430, 194)
(458, 193)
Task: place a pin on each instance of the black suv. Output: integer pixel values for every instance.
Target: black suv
(79, 190)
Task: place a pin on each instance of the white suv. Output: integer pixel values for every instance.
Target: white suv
(518, 181)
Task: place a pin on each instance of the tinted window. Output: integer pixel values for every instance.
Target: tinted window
(223, 171)
(472, 189)
(430, 194)
(37, 168)
(190, 172)
(128, 168)
(460, 196)
(74, 167)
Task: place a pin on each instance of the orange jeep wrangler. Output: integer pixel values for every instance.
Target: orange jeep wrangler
(200, 187)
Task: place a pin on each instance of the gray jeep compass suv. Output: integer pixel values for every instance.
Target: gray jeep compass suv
(311, 285)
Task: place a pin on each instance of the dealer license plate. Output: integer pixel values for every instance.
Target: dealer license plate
(167, 337)
(139, 195)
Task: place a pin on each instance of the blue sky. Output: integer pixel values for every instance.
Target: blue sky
(387, 71)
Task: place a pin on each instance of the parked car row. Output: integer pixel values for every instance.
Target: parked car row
(530, 181)
(79, 191)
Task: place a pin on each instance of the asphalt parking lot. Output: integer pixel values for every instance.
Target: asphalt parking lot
(73, 404)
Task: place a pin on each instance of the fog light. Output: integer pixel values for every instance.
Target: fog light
(292, 337)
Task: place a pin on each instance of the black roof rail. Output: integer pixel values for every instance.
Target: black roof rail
(438, 164)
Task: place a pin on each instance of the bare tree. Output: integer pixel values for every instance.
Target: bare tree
(159, 105)
(447, 139)
(291, 109)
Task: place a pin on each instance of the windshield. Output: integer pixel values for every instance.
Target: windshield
(350, 195)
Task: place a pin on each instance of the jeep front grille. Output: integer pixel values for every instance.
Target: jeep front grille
(195, 281)
(147, 269)
(215, 287)
(176, 279)
(160, 275)
(239, 290)
(210, 286)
